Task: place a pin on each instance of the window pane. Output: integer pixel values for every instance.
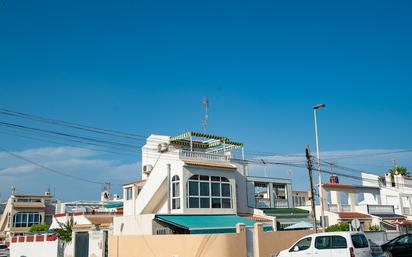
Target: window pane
(216, 203)
(225, 190)
(215, 178)
(204, 177)
(193, 202)
(204, 188)
(175, 189)
(215, 189)
(322, 242)
(193, 188)
(195, 177)
(302, 244)
(358, 242)
(224, 179)
(176, 203)
(339, 242)
(175, 178)
(204, 202)
(31, 217)
(225, 203)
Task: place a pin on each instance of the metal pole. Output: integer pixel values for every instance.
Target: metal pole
(322, 207)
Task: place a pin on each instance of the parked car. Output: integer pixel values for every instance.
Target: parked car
(400, 246)
(4, 250)
(332, 244)
(376, 250)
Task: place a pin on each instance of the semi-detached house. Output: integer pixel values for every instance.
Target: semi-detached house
(197, 183)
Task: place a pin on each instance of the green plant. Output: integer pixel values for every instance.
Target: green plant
(64, 233)
(38, 228)
(374, 228)
(399, 170)
(343, 226)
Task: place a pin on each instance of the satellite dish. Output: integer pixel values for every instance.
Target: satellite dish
(355, 224)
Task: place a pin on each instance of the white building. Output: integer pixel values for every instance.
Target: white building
(394, 190)
(190, 176)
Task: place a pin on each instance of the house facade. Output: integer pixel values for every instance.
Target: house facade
(23, 211)
(195, 176)
(395, 190)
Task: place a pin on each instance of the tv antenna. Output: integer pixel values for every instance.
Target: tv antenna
(205, 103)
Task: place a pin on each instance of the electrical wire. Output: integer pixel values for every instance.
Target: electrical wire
(18, 156)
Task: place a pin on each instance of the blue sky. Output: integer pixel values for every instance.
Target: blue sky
(144, 67)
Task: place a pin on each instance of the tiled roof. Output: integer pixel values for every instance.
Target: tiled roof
(335, 185)
(211, 164)
(256, 218)
(353, 215)
(100, 219)
(402, 222)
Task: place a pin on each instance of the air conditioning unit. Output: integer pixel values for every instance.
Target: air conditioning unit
(147, 168)
(163, 147)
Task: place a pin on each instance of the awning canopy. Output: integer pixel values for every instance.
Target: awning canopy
(388, 216)
(300, 225)
(208, 224)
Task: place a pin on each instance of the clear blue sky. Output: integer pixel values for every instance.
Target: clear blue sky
(144, 66)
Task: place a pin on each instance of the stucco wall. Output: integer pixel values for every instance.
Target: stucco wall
(207, 245)
(268, 243)
(133, 225)
(32, 247)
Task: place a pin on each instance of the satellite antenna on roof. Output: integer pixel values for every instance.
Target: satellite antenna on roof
(205, 103)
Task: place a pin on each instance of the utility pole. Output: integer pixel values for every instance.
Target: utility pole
(312, 190)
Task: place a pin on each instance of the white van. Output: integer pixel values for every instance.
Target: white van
(332, 244)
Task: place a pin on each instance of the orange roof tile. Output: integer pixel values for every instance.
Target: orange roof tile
(353, 215)
(335, 185)
(257, 218)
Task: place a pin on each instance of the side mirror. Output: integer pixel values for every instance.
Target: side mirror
(296, 249)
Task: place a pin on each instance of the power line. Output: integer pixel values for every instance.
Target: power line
(66, 135)
(50, 169)
(73, 125)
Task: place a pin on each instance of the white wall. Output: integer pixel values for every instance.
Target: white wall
(34, 249)
(133, 225)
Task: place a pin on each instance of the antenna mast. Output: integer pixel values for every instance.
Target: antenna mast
(205, 103)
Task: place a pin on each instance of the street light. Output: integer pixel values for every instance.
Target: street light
(322, 207)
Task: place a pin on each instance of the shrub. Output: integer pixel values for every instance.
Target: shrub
(374, 228)
(343, 226)
(38, 228)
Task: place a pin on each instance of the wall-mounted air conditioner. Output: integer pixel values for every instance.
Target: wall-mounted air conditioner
(147, 168)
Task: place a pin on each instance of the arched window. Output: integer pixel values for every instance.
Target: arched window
(175, 192)
(208, 192)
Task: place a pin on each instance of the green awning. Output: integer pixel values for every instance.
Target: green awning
(113, 205)
(208, 224)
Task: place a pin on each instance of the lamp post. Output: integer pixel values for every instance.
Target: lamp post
(322, 207)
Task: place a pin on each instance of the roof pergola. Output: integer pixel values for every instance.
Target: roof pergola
(211, 143)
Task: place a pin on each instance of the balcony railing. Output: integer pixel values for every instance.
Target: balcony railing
(262, 203)
(346, 207)
(333, 207)
(406, 211)
(265, 203)
(203, 156)
(281, 203)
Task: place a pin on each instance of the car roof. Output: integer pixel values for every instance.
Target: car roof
(338, 233)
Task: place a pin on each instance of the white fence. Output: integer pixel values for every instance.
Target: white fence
(381, 237)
